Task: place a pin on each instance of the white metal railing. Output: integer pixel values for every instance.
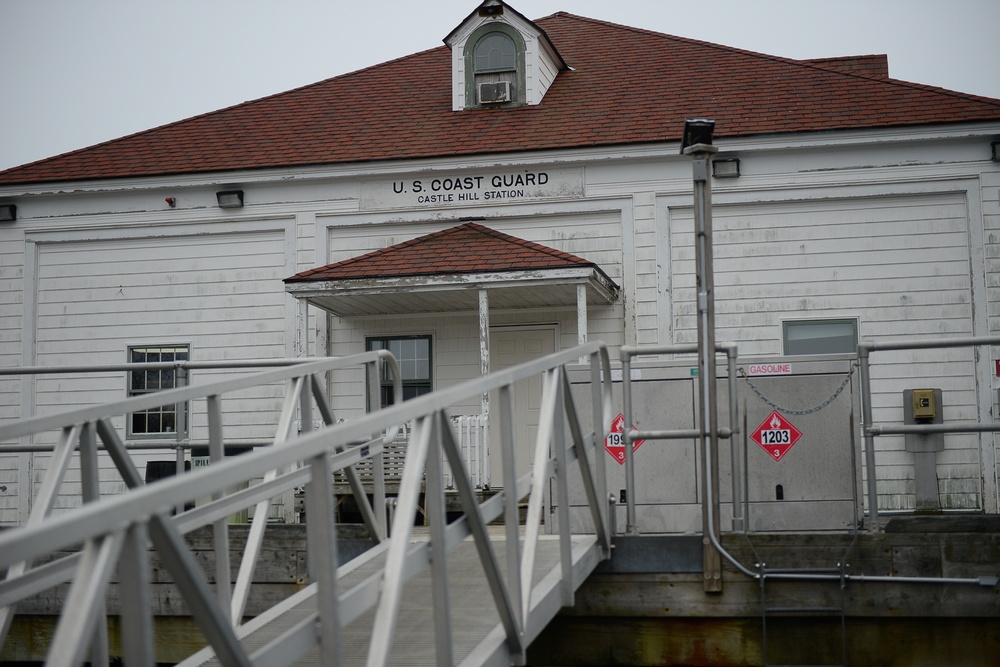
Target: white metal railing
(473, 433)
(870, 430)
(709, 456)
(84, 431)
(115, 529)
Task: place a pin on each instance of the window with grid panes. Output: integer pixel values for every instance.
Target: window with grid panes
(161, 421)
(413, 353)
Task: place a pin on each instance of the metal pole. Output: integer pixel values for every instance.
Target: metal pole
(708, 413)
(630, 524)
(734, 445)
(866, 422)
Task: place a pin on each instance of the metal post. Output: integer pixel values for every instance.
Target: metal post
(182, 377)
(630, 524)
(597, 387)
(437, 519)
(375, 372)
(701, 150)
(90, 487)
(734, 445)
(322, 548)
(509, 482)
(135, 596)
(220, 528)
(866, 423)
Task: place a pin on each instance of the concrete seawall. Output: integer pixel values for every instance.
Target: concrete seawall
(662, 616)
(647, 606)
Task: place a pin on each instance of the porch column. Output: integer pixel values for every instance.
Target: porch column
(302, 329)
(581, 314)
(484, 343)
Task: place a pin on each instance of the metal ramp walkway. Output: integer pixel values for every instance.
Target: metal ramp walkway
(477, 633)
(462, 592)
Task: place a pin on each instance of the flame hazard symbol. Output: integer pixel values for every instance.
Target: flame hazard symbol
(776, 435)
(614, 443)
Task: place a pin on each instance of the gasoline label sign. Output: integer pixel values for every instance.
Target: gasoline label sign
(615, 443)
(776, 435)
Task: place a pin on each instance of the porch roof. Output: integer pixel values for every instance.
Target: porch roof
(444, 271)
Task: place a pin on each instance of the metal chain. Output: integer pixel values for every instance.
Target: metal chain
(843, 385)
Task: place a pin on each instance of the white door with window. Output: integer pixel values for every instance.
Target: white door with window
(510, 347)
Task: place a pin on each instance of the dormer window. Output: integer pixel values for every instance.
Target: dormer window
(495, 52)
(500, 59)
(494, 66)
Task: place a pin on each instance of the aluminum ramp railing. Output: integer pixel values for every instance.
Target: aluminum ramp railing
(527, 580)
(80, 431)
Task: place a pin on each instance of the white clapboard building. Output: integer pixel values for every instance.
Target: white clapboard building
(514, 192)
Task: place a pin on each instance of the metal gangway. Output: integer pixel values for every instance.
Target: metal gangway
(460, 592)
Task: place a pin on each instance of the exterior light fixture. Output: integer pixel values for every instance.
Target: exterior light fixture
(697, 132)
(726, 167)
(8, 213)
(995, 148)
(230, 198)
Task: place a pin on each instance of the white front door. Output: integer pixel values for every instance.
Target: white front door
(510, 347)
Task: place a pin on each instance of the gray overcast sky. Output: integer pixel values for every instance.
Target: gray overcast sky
(76, 73)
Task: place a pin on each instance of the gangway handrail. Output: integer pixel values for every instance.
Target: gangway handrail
(84, 427)
(290, 368)
(120, 524)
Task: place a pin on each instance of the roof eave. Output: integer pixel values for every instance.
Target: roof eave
(335, 296)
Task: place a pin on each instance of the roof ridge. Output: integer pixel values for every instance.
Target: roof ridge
(782, 59)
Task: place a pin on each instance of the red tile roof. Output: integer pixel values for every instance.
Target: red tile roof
(467, 248)
(627, 86)
(874, 65)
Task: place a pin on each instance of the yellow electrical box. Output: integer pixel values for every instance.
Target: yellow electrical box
(924, 405)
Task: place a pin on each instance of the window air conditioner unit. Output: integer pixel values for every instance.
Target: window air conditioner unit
(494, 93)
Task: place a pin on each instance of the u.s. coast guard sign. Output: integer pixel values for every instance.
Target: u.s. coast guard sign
(468, 188)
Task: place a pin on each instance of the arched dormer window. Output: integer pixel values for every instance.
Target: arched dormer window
(494, 67)
(495, 52)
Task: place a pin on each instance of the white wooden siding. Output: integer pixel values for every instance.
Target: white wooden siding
(542, 70)
(11, 299)
(219, 293)
(647, 268)
(14, 478)
(991, 241)
(898, 264)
